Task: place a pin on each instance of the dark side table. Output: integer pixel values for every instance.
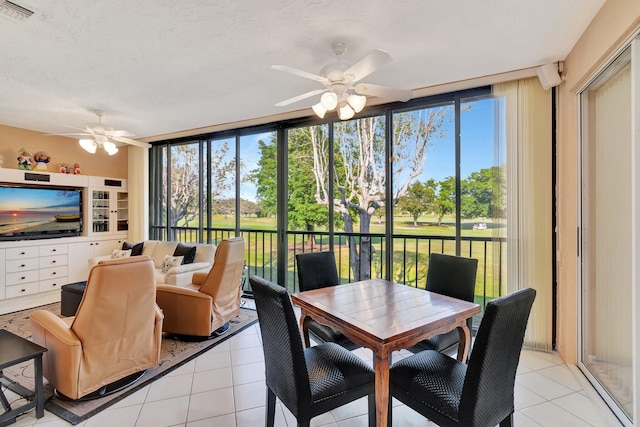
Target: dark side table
(14, 350)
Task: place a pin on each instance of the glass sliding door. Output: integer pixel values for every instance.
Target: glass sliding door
(607, 266)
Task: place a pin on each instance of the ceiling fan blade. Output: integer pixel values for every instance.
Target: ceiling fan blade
(300, 97)
(130, 141)
(385, 92)
(67, 134)
(85, 129)
(368, 64)
(121, 133)
(301, 73)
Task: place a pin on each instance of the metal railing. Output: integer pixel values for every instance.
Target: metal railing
(410, 254)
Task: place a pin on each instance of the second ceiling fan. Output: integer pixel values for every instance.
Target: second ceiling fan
(95, 135)
(341, 88)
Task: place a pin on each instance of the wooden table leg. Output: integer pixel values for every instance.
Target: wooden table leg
(463, 343)
(304, 329)
(381, 366)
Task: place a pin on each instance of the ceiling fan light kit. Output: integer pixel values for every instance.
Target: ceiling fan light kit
(357, 102)
(345, 112)
(98, 135)
(89, 145)
(319, 110)
(341, 93)
(329, 100)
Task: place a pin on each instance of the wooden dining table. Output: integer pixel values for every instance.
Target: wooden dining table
(384, 317)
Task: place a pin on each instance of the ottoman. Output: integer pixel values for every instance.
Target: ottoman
(70, 297)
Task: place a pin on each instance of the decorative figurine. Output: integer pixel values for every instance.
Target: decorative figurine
(24, 159)
(65, 168)
(41, 158)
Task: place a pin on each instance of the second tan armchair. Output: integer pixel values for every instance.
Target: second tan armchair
(203, 309)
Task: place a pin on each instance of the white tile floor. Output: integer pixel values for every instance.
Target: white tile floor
(225, 387)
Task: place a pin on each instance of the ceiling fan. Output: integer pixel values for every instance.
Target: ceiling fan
(102, 135)
(341, 90)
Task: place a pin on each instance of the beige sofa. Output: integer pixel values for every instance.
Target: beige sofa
(179, 275)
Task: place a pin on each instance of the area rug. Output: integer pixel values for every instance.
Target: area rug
(174, 353)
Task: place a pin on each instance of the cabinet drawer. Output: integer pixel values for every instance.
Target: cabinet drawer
(52, 284)
(52, 261)
(15, 265)
(53, 272)
(22, 277)
(47, 250)
(20, 253)
(23, 289)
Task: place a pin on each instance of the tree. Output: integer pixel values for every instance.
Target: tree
(445, 202)
(265, 178)
(359, 172)
(248, 208)
(184, 200)
(185, 183)
(483, 194)
(418, 200)
(303, 209)
(223, 170)
(226, 207)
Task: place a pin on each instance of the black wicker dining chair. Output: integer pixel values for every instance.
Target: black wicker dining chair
(453, 276)
(480, 394)
(308, 381)
(318, 270)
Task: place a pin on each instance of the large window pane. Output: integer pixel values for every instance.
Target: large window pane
(223, 188)
(307, 194)
(359, 191)
(184, 192)
(258, 202)
(424, 190)
(483, 210)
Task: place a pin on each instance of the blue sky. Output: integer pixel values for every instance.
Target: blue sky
(477, 144)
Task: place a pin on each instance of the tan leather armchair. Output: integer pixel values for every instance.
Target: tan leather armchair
(116, 332)
(207, 304)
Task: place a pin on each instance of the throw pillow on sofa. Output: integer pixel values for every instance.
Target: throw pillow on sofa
(116, 253)
(188, 252)
(135, 249)
(170, 261)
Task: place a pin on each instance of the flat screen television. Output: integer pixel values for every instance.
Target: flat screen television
(37, 212)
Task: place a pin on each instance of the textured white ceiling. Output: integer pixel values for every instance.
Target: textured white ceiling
(161, 66)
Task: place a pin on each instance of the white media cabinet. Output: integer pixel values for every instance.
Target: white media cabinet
(32, 271)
